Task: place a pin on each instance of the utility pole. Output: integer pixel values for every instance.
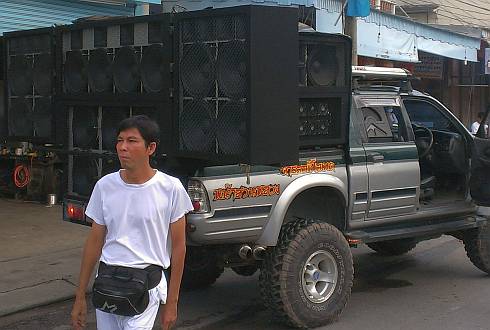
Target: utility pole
(350, 29)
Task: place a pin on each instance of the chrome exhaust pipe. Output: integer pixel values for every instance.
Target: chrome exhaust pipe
(259, 252)
(245, 252)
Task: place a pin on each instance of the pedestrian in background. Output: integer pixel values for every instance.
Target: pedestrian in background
(138, 223)
(476, 125)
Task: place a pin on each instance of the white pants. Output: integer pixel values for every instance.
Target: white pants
(143, 321)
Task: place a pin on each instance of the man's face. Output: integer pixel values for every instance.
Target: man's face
(131, 149)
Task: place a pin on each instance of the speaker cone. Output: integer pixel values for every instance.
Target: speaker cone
(197, 29)
(322, 65)
(110, 120)
(85, 175)
(196, 127)
(42, 74)
(20, 75)
(41, 117)
(20, 118)
(74, 72)
(231, 129)
(232, 69)
(84, 128)
(197, 70)
(99, 71)
(126, 71)
(152, 68)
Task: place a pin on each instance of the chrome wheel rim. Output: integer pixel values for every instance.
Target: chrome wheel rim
(319, 276)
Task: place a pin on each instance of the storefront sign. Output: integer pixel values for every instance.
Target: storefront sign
(430, 66)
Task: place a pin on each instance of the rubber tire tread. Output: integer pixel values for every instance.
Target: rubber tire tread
(477, 246)
(203, 277)
(269, 279)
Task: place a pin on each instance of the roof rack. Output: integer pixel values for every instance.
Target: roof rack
(380, 73)
(371, 74)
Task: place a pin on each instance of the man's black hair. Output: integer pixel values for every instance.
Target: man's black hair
(147, 127)
(481, 114)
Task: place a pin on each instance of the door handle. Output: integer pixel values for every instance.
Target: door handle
(377, 158)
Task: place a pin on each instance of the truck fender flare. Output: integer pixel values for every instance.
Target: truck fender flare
(273, 226)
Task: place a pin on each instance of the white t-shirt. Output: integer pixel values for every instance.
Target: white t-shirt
(138, 218)
(475, 126)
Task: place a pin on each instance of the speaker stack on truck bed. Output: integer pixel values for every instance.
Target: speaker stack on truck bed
(324, 89)
(111, 69)
(29, 86)
(236, 84)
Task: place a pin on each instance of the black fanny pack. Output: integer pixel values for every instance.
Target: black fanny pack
(124, 290)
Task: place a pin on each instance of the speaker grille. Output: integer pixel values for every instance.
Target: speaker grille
(197, 127)
(99, 71)
(320, 118)
(232, 69)
(85, 125)
(214, 84)
(20, 75)
(84, 175)
(231, 130)
(75, 72)
(30, 75)
(42, 74)
(197, 70)
(42, 117)
(20, 117)
(111, 116)
(126, 70)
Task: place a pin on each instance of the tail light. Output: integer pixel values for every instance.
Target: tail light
(74, 211)
(199, 196)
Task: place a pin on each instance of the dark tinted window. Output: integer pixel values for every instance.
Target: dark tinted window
(384, 124)
(427, 115)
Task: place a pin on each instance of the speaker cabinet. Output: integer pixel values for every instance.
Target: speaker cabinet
(30, 75)
(114, 59)
(85, 170)
(324, 89)
(236, 84)
(94, 128)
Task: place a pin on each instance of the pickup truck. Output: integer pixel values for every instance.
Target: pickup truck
(410, 171)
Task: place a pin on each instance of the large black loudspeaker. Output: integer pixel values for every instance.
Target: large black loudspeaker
(84, 171)
(114, 59)
(30, 76)
(237, 84)
(325, 89)
(95, 127)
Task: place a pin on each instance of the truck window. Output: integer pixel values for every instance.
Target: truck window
(384, 124)
(425, 114)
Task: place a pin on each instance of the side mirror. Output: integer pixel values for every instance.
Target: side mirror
(481, 130)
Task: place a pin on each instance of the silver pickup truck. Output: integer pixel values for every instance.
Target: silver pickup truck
(411, 172)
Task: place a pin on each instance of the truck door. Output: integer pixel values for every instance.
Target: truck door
(391, 158)
(480, 168)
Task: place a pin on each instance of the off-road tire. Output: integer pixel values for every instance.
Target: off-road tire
(202, 268)
(283, 269)
(247, 270)
(477, 246)
(394, 247)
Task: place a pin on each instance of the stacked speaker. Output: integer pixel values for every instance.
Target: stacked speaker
(111, 70)
(236, 82)
(30, 76)
(325, 88)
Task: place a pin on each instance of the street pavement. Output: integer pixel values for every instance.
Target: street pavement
(433, 287)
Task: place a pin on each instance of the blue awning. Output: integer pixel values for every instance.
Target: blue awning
(380, 35)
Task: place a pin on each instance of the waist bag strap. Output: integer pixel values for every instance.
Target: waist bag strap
(154, 272)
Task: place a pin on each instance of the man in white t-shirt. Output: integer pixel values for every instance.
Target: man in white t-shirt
(138, 218)
(476, 125)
